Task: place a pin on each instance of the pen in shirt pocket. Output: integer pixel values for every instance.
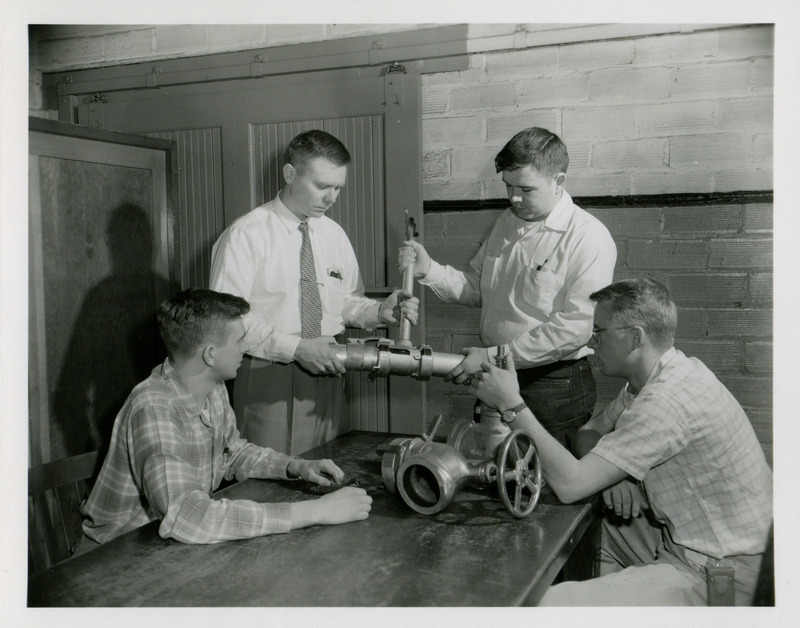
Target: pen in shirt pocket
(335, 273)
(540, 266)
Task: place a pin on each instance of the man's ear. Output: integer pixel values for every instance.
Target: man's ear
(208, 355)
(289, 173)
(561, 179)
(638, 336)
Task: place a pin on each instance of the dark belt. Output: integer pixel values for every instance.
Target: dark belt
(546, 369)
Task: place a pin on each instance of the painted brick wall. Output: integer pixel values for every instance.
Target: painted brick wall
(668, 114)
(716, 259)
(653, 115)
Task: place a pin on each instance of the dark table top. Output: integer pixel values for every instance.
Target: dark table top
(473, 553)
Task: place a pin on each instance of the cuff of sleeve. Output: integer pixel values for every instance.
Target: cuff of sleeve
(434, 274)
(278, 518)
(285, 346)
(373, 320)
(272, 465)
(614, 458)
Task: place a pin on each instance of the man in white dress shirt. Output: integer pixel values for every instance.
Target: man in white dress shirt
(532, 278)
(289, 393)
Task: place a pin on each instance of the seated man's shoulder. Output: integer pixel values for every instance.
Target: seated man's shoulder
(689, 388)
(156, 393)
(681, 377)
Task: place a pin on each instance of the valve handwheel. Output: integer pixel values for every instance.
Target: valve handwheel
(519, 474)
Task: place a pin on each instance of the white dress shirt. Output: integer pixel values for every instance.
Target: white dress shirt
(532, 281)
(258, 258)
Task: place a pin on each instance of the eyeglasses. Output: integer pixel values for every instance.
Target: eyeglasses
(597, 331)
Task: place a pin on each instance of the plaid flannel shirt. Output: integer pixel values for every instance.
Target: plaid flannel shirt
(167, 456)
(688, 441)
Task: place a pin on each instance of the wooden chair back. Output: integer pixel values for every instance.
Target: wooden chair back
(55, 492)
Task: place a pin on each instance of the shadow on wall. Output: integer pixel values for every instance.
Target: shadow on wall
(115, 342)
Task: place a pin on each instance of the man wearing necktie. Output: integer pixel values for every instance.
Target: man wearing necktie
(297, 269)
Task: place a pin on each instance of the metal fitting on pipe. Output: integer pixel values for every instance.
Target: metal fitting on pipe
(381, 357)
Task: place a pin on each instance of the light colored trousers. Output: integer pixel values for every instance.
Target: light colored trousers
(286, 408)
(639, 565)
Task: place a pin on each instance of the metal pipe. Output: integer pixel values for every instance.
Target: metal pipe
(408, 285)
(381, 358)
(405, 325)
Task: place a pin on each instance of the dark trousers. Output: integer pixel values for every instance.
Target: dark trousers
(561, 395)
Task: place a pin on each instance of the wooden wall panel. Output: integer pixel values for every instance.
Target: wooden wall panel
(200, 211)
(360, 208)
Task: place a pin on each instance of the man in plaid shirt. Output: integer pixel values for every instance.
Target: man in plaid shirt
(675, 456)
(175, 439)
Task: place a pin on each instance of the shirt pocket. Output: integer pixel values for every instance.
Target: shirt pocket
(536, 291)
(489, 271)
(333, 296)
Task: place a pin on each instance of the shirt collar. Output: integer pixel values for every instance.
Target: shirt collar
(659, 366)
(287, 217)
(558, 218)
(184, 397)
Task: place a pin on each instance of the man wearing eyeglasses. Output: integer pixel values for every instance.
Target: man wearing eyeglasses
(675, 456)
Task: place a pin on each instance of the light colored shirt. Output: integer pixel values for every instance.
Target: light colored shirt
(167, 456)
(532, 281)
(687, 439)
(258, 258)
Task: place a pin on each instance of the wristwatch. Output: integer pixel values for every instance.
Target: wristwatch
(508, 416)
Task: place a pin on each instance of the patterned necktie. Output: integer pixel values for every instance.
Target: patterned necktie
(310, 304)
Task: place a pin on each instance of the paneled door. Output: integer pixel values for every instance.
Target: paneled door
(101, 259)
(231, 136)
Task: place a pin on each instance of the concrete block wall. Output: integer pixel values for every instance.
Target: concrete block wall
(664, 114)
(62, 47)
(65, 47)
(716, 259)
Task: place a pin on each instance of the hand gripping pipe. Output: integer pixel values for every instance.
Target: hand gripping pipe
(408, 285)
(382, 357)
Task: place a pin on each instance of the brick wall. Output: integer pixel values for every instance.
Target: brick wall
(715, 258)
(656, 124)
(651, 115)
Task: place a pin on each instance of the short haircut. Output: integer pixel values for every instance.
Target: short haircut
(315, 143)
(644, 303)
(542, 150)
(192, 317)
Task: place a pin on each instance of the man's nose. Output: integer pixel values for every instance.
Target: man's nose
(330, 196)
(516, 197)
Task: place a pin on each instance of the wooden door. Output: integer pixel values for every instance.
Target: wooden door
(231, 136)
(101, 259)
